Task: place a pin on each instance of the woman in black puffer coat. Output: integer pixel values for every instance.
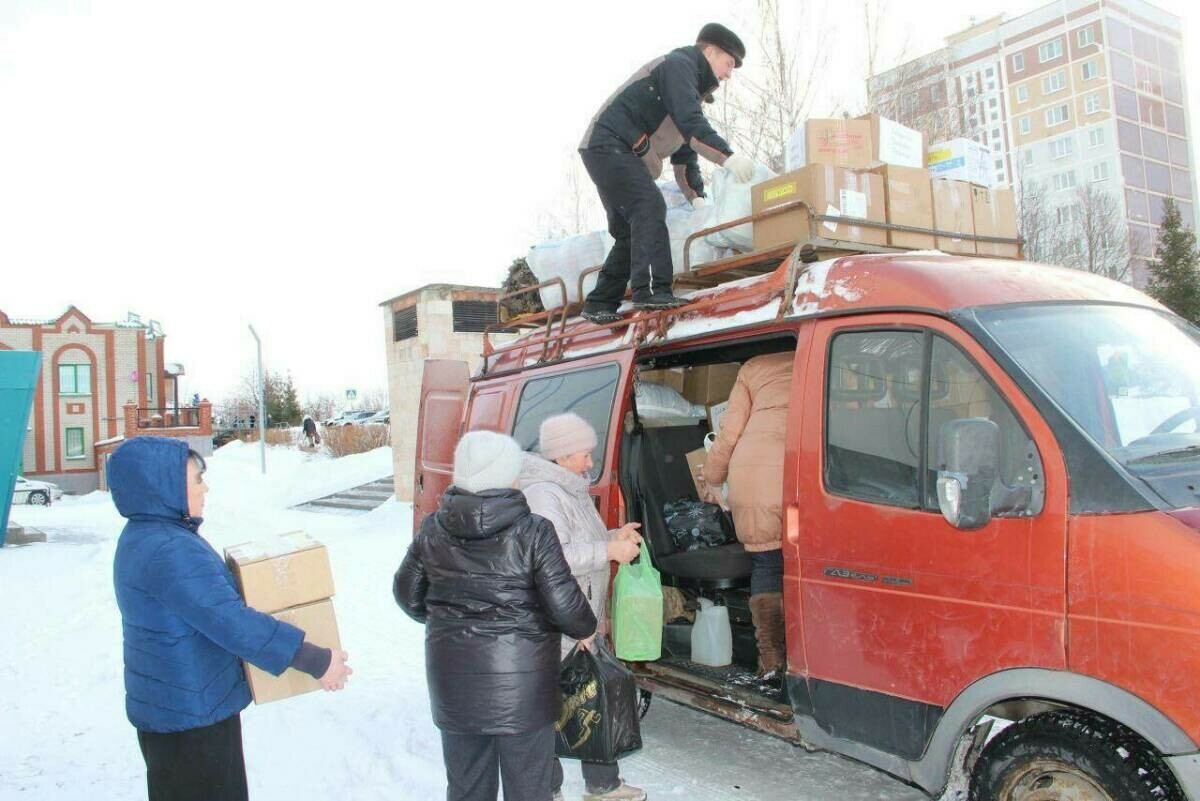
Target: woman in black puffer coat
(488, 579)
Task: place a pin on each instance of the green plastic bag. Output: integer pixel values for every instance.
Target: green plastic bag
(637, 611)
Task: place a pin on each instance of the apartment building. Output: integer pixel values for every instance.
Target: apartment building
(1074, 93)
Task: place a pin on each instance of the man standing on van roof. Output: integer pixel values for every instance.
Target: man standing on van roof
(655, 114)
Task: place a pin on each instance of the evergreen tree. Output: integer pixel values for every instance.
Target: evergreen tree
(1174, 281)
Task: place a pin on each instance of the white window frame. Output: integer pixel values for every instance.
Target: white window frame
(1028, 156)
(1058, 77)
(1091, 36)
(1090, 65)
(1093, 139)
(1062, 148)
(1091, 103)
(1024, 126)
(1054, 45)
(1051, 116)
(1019, 62)
(1022, 94)
(1065, 180)
(1100, 171)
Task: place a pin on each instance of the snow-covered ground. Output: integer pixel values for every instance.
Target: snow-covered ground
(63, 732)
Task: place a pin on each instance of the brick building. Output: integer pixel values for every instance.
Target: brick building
(438, 321)
(100, 383)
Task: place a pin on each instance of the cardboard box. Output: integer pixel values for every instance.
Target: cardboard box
(828, 190)
(962, 160)
(995, 214)
(908, 197)
(669, 377)
(709, 384)
(281, 572)
(695, 460)
(839, 143)
(714, 415)
(952, 212)
(893, 143)
(319, 625)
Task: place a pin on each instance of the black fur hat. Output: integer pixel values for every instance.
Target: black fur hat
(716, 34)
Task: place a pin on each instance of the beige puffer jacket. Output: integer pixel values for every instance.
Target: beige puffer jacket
(562, 497)
(748, 452)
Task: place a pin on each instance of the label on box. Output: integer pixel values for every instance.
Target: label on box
(832, 211)
(782, 190)
(900, 145)
(854, 204)
(947, 163)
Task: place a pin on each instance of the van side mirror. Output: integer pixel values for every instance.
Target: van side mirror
(968, 452)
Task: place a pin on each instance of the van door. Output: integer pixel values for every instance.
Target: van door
(444, 387)
(901, 610)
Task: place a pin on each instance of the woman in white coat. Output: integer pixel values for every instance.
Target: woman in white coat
(556, 487)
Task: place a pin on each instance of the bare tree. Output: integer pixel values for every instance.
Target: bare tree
(1035, 224)
(576, 209)
(320, 407)
(375, 398)
(1100, 234)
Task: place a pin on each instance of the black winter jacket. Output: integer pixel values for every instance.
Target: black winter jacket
(488, 579)
(657, 114)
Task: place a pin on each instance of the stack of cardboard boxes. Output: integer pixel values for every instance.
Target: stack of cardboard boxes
(874, 169)
(289, 578)
(709, 385)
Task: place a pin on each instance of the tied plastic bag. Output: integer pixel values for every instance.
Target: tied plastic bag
(568, 259)
(655, 402)
(696, 524)
(637, 610)
(599, 720)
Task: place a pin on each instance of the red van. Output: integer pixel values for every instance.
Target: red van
(990, 497)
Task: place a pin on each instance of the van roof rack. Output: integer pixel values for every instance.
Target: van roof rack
(547, 330)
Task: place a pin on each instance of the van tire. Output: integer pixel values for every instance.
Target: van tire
(1079, 751)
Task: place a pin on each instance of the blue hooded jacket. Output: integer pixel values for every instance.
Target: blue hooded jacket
(186, 628)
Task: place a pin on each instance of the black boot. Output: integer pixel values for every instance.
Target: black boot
(659, 300)
(600, 316)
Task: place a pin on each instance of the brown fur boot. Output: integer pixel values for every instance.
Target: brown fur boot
(766, 609)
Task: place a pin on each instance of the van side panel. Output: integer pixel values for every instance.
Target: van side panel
(1134, 609)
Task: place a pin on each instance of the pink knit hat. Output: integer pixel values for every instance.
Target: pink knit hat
(565, 434)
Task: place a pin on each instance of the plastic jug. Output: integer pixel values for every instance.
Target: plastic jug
(712, 641)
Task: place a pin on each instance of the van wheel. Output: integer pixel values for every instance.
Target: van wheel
(643, 702)
(1068, 755)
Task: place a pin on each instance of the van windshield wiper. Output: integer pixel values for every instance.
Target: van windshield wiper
(1175, 453)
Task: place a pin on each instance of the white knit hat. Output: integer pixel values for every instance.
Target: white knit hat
(565, 434)
(486, 460)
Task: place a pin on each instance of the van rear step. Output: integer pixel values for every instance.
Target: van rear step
(680, 681)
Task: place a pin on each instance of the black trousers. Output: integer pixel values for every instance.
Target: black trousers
(524, 763)
(600, 777)
(637, 220)
(204, 764)
(766, 571)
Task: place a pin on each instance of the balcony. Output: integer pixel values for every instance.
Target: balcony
(183, 417)
(167, 421)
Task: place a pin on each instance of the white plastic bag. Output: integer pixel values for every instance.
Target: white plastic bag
(567, 259)
(731, 200)
(682, 221)
(658, 402)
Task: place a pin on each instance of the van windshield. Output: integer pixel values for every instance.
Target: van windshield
(1129, 377)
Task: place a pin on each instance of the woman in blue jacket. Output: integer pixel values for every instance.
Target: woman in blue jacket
(186, 629)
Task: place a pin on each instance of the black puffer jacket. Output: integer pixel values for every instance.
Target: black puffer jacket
(657, 114)
(488, 579)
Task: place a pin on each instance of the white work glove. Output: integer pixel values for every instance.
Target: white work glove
(741, 166)
(699, 202)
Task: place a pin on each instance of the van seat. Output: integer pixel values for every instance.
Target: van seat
(662, 476)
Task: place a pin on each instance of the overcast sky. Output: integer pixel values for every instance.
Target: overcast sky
(292, 164)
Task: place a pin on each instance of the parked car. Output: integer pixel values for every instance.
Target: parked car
(989, 508)
(356, 418)
(35, 493)
(379, 418)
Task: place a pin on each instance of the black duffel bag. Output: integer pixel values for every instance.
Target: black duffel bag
(599, 719)
(697, 524)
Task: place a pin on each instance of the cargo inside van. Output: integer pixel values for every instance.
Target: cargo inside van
(678, 399)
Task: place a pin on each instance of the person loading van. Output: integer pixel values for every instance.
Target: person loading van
(655, 114)
(748, 453)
